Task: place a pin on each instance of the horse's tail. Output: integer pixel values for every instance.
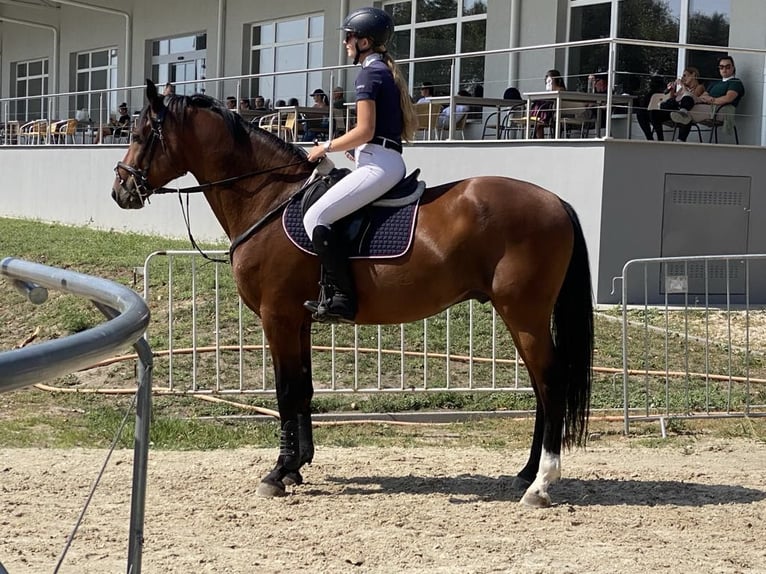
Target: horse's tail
(573, 336)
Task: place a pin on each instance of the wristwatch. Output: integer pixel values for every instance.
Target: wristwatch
(327, 145)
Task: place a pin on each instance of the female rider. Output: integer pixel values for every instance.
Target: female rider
(385, 116)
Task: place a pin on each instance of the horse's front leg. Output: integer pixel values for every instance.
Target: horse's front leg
(291, 355)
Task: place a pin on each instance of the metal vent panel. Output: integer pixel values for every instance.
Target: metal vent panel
(706, 215)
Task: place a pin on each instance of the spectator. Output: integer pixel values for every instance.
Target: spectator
(231, 103)
(315, 127)
(426, 92)
(169, 90)
(542, 111)
(729, 90)
(293, 102)
(260, 104)
(117, 128)
(338, 100)
(600, 83)
(244, 105)
(656, 86)
(682, 95)
(280, 104)
(442, 121)
(320, 99)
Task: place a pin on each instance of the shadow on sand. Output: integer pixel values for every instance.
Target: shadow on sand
(591, 492)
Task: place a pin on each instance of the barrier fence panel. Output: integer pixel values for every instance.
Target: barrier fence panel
(128, 317)
(210, 343)
(699, 349)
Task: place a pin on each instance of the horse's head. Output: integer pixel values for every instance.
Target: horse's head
(147, 165)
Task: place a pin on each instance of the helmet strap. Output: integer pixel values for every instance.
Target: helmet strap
(359, 53)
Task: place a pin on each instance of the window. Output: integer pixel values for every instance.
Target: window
(436, 27)
(282, 46)
(31, 82)
(181, 59)
(96, 72)
(660, 20)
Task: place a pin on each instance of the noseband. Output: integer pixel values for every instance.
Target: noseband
(140, 177)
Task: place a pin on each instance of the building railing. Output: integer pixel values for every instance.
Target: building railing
(95, 121)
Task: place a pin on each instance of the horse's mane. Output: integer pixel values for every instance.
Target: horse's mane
(241, 131)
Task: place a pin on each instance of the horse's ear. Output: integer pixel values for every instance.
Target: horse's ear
(152, 95)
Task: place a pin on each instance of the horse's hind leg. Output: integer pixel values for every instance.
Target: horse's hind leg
(292, 369)
(535, 345)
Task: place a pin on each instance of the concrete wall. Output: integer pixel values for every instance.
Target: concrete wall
(616, 186)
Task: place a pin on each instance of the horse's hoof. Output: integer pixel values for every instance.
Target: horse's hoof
(293, 478)
(269, 489)
(536, 499)
(520, 483)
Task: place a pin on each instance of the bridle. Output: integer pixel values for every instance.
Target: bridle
(140, 177)
(142, 188)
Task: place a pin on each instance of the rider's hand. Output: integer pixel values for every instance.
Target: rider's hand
(316, 153)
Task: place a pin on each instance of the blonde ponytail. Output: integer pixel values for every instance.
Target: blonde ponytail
(409, 117)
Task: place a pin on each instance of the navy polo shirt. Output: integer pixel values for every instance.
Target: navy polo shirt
(376, 82)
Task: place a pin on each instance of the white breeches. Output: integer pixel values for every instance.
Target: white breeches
(378, 169)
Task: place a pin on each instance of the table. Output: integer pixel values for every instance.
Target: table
(580, 100)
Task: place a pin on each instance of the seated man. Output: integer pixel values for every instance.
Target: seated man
(729, 90)
(116, 128)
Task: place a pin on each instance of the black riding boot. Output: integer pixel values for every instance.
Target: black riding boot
(338, 299)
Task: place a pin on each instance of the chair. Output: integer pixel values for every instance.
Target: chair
(713, 117)
(269, 123)
(63, 131)
(459, 127)
(290, 127)
(34, 132)
(511, 122)
(428, 117)
(575, 115)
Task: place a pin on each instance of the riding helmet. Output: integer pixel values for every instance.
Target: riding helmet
(372, 23)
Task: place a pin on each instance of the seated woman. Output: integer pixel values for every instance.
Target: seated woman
(683, 94)
(542, 110)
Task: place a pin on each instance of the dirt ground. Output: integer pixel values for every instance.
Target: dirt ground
(620, 507)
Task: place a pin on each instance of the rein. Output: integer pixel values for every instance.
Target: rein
(204, 186)
(254, 228)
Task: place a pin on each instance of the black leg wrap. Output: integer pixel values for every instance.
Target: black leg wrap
(289, 446)
(306, 439)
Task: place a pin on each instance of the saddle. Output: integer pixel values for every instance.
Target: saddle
(382, 229)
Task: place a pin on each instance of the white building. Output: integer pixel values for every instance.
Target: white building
(59, 56)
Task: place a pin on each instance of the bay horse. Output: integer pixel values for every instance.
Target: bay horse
(493, 239)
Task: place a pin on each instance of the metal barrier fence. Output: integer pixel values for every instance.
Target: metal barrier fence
(690, 354)
(214, 344)
(128, 318)
(699, 350)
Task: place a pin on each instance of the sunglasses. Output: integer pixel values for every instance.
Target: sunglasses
(724, 66)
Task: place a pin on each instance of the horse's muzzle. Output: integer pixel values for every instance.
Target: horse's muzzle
(126, 198)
